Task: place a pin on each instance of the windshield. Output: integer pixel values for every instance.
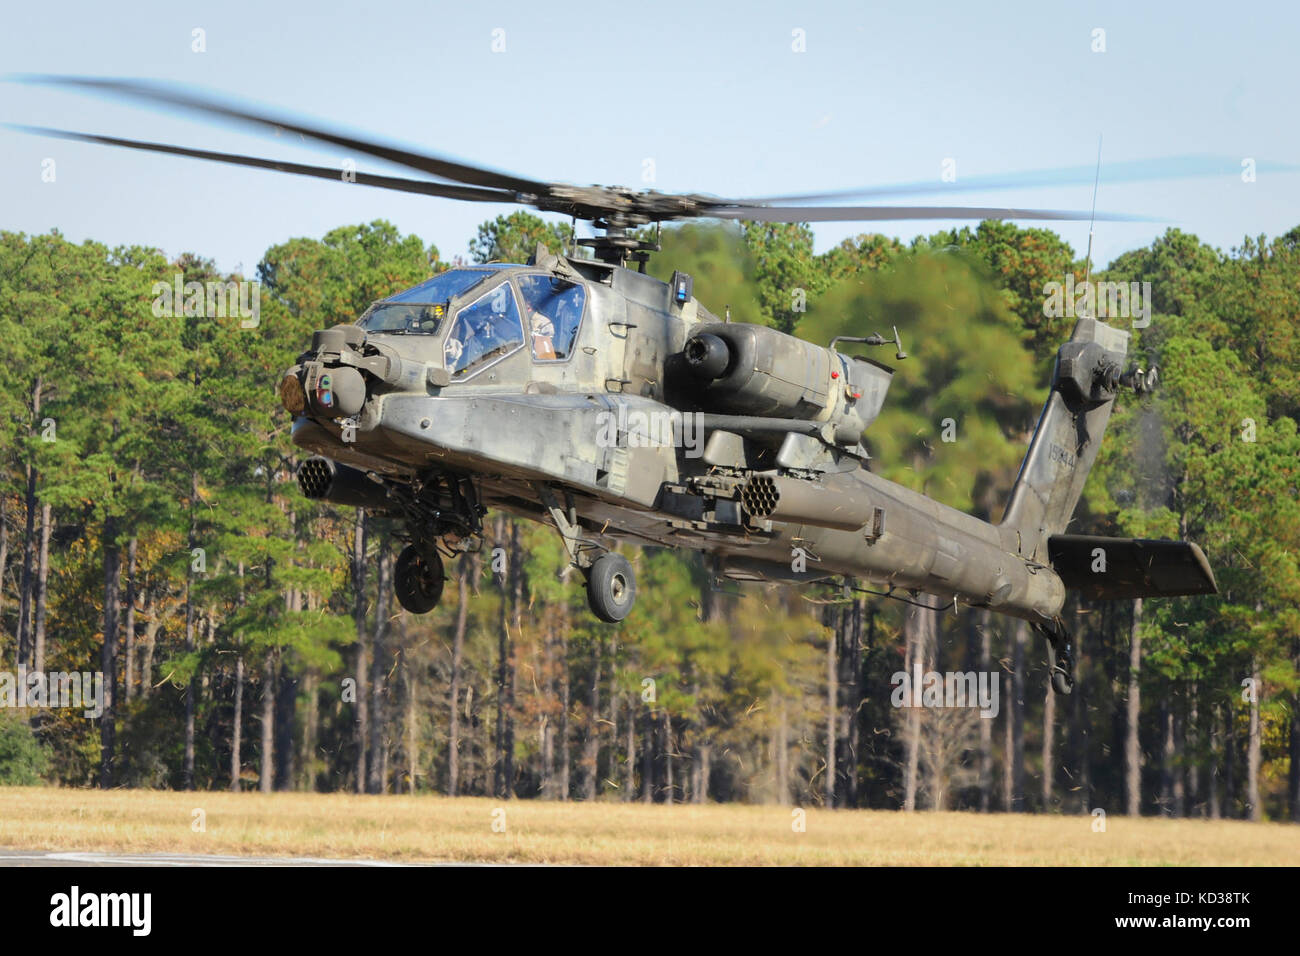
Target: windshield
(422, 308)
(390, 317)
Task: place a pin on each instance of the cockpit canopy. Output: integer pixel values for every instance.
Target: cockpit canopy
(536, 308)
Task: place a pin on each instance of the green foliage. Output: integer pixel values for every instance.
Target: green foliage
(169, 434)
(863, 253)
(335, 279)
(1181, 269)
(24, 760)
(514, 238)
(786, 273)
(966, 365)
(715, 257)
(1020, 263)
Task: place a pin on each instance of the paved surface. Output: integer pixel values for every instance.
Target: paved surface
(89, 858)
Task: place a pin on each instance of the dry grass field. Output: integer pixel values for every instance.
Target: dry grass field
(430, 828)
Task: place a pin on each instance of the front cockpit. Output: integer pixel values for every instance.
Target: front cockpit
(396, 392)
(420, 309)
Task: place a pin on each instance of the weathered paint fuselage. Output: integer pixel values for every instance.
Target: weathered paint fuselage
(590, 425)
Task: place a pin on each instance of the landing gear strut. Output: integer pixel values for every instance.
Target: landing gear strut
(418, 579)
(1060, 656)
(611, 584)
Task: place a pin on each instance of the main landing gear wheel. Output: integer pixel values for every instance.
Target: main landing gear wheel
(611, 587)
(418, 579)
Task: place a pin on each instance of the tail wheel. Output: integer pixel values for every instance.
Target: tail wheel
(611, 587)
(1060, 654)
(418, 580)
(1062, 682)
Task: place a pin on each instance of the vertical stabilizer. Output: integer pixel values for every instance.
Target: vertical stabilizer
(1065, 443)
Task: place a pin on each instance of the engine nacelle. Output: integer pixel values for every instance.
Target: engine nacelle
(757, 371)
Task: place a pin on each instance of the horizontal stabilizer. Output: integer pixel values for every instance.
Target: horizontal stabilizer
(1125, 568)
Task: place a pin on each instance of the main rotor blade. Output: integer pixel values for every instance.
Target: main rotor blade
(424, 187)
(592, 202)
(1140, 170)
(884, 213)
(204, 105)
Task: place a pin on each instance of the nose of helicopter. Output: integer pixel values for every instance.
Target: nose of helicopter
(323, 390)
(337, 375)
(326, 382)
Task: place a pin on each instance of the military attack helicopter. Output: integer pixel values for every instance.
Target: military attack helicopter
(580, 392)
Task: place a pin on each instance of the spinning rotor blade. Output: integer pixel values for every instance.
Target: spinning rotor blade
(422, 186)
(1133, 171)
(601, 204)
(883, 213)
(205, 105)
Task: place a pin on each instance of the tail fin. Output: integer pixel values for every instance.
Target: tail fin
(1068, 436)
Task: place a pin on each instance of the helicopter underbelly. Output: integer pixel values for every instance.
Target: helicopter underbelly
(622, 488)
(921, 547)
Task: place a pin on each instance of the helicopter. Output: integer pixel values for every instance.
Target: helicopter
(581, 392)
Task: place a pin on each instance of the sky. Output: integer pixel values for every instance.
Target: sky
(708, 97)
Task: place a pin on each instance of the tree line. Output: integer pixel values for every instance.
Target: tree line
(151, 530)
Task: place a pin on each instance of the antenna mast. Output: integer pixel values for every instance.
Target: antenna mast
(1092, 220)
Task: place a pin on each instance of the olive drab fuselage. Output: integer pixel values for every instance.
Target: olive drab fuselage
(603, 425)
(640, 416)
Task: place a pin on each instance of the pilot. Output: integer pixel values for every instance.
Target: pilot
(466, 342)
(453, 350)
(426, 318)
(482, 337)
(567, 315)
(543, 331)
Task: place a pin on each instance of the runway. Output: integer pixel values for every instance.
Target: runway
(91, 858)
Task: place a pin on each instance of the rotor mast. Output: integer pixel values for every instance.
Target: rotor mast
(617, 246)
